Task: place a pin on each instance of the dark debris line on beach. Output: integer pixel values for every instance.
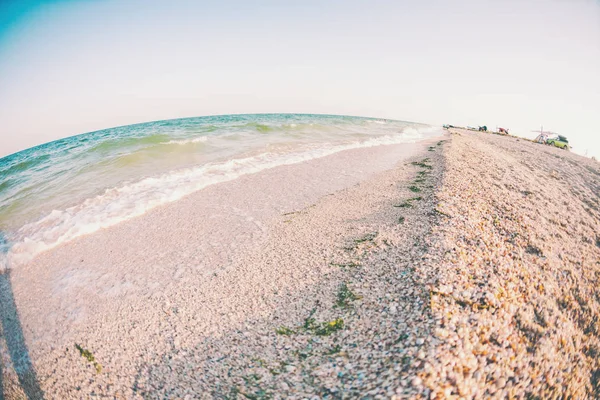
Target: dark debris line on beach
(362, 328)
(303, 350)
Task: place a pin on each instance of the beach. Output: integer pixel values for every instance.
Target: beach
(514, 277)
(463, 265)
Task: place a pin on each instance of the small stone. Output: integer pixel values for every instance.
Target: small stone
(420, 341)
(441, 333)
(416, 381)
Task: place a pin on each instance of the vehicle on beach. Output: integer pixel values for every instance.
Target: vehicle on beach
(558, 141)
(503, 130)
(483, 128)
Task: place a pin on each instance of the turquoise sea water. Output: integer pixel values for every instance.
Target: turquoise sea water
(57, 191)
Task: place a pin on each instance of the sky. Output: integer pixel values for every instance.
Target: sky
(69, 67)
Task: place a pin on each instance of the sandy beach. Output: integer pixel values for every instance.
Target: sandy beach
(515, 272)
(465, 266)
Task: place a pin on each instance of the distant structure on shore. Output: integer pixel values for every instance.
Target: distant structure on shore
(552, 139)
(543, 135)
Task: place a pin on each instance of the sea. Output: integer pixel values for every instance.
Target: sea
(53, 193)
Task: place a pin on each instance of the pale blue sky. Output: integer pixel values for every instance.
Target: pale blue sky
(68, 67)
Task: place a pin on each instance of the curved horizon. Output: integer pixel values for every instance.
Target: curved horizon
(75, 66)
(58, 191)
(199, 116)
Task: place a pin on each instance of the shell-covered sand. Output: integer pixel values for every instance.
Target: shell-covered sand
(468, 271)
(514, 275)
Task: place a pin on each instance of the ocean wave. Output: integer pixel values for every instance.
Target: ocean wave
(201, 139)
(136, 198)
(117, 143)
(23, 165)
(4, 185)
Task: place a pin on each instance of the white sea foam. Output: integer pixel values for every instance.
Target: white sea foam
(136, 198)
(201, 139)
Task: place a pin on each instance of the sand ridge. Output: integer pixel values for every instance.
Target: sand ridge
(515, 271)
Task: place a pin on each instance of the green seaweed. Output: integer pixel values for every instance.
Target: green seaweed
(301, 355)
(282, 330)
(408, 202)
(350, 264)
(438, 212)
(401, 220)
(366, 238)
(422, 164)
(327, 328)
(323, 328)
(309, 322)
(414, 189)
(402, 337)
(345, 296)
(89, 357)
(334, 350)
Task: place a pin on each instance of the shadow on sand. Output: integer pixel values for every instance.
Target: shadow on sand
(12, 334)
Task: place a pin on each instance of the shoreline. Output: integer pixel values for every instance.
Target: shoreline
(470, 269)
(121, 281)
(55, 228)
